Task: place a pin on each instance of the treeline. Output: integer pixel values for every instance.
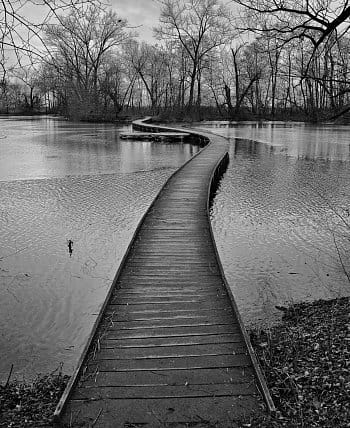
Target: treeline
(254, 61)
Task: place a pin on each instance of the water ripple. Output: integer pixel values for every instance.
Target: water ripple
(48, 299)
(275, 218)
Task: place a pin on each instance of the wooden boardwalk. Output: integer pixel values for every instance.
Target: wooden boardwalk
(155, 136)
(168, 348)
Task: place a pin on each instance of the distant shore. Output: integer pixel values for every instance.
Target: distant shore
(182, 115)
(305, 359)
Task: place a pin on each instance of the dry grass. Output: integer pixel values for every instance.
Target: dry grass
(31, 404)
(306, 361)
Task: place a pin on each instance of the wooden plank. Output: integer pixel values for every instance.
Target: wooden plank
(168, 258)
(147, 342)
(180, 363)
(183, 293)
(181, 274)
(178, 295)
(124, 323)
(123, 299)
(134, 306)
(209, 411)
(163, 287)
(172, 265)
(196, 283)
(173, 377)
(115, 392)
(163, 315)
(149, 290)
(234, 348)
(194, 330)
(186, 281)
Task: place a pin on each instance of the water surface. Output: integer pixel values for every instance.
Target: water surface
(281, 215)
(59, 181)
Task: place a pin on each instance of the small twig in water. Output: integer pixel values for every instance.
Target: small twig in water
(341, 259)
(12, 254)
(9, 377)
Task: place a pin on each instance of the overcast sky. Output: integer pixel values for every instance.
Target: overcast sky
(143, 13)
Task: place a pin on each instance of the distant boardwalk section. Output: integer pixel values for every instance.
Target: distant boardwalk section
(155, 136)
(168, 347)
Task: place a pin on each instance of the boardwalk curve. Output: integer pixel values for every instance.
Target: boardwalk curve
(168, 347)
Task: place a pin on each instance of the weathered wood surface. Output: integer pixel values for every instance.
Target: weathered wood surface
(169, 347)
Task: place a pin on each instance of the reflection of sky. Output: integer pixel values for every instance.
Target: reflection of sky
(300, 140)
(46, 148)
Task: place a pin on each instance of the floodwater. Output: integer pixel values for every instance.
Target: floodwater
(281, 217)
(62, 181)
(281, 220)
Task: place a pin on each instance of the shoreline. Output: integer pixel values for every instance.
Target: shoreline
(305, 359)
(174, 117)
(306, 362)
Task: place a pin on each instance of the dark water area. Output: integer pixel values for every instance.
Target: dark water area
(281, 216)
(62, 181)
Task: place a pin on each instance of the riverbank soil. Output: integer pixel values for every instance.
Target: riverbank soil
(306, 362)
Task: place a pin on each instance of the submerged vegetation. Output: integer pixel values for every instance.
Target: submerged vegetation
(237, 60)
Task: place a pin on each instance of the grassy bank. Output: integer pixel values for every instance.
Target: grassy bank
(306, 361)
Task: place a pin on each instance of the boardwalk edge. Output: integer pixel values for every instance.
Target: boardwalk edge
(139, 124)
(215, 178)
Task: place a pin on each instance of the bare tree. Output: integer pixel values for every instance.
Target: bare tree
(20, 34)
(29, 77)
(150, 63)
(315, 20)
(238, 75)
(199, 26)
(80, 45)
(116, 83)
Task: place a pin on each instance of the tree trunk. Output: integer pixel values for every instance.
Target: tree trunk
(229, 101)
(193, 81)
